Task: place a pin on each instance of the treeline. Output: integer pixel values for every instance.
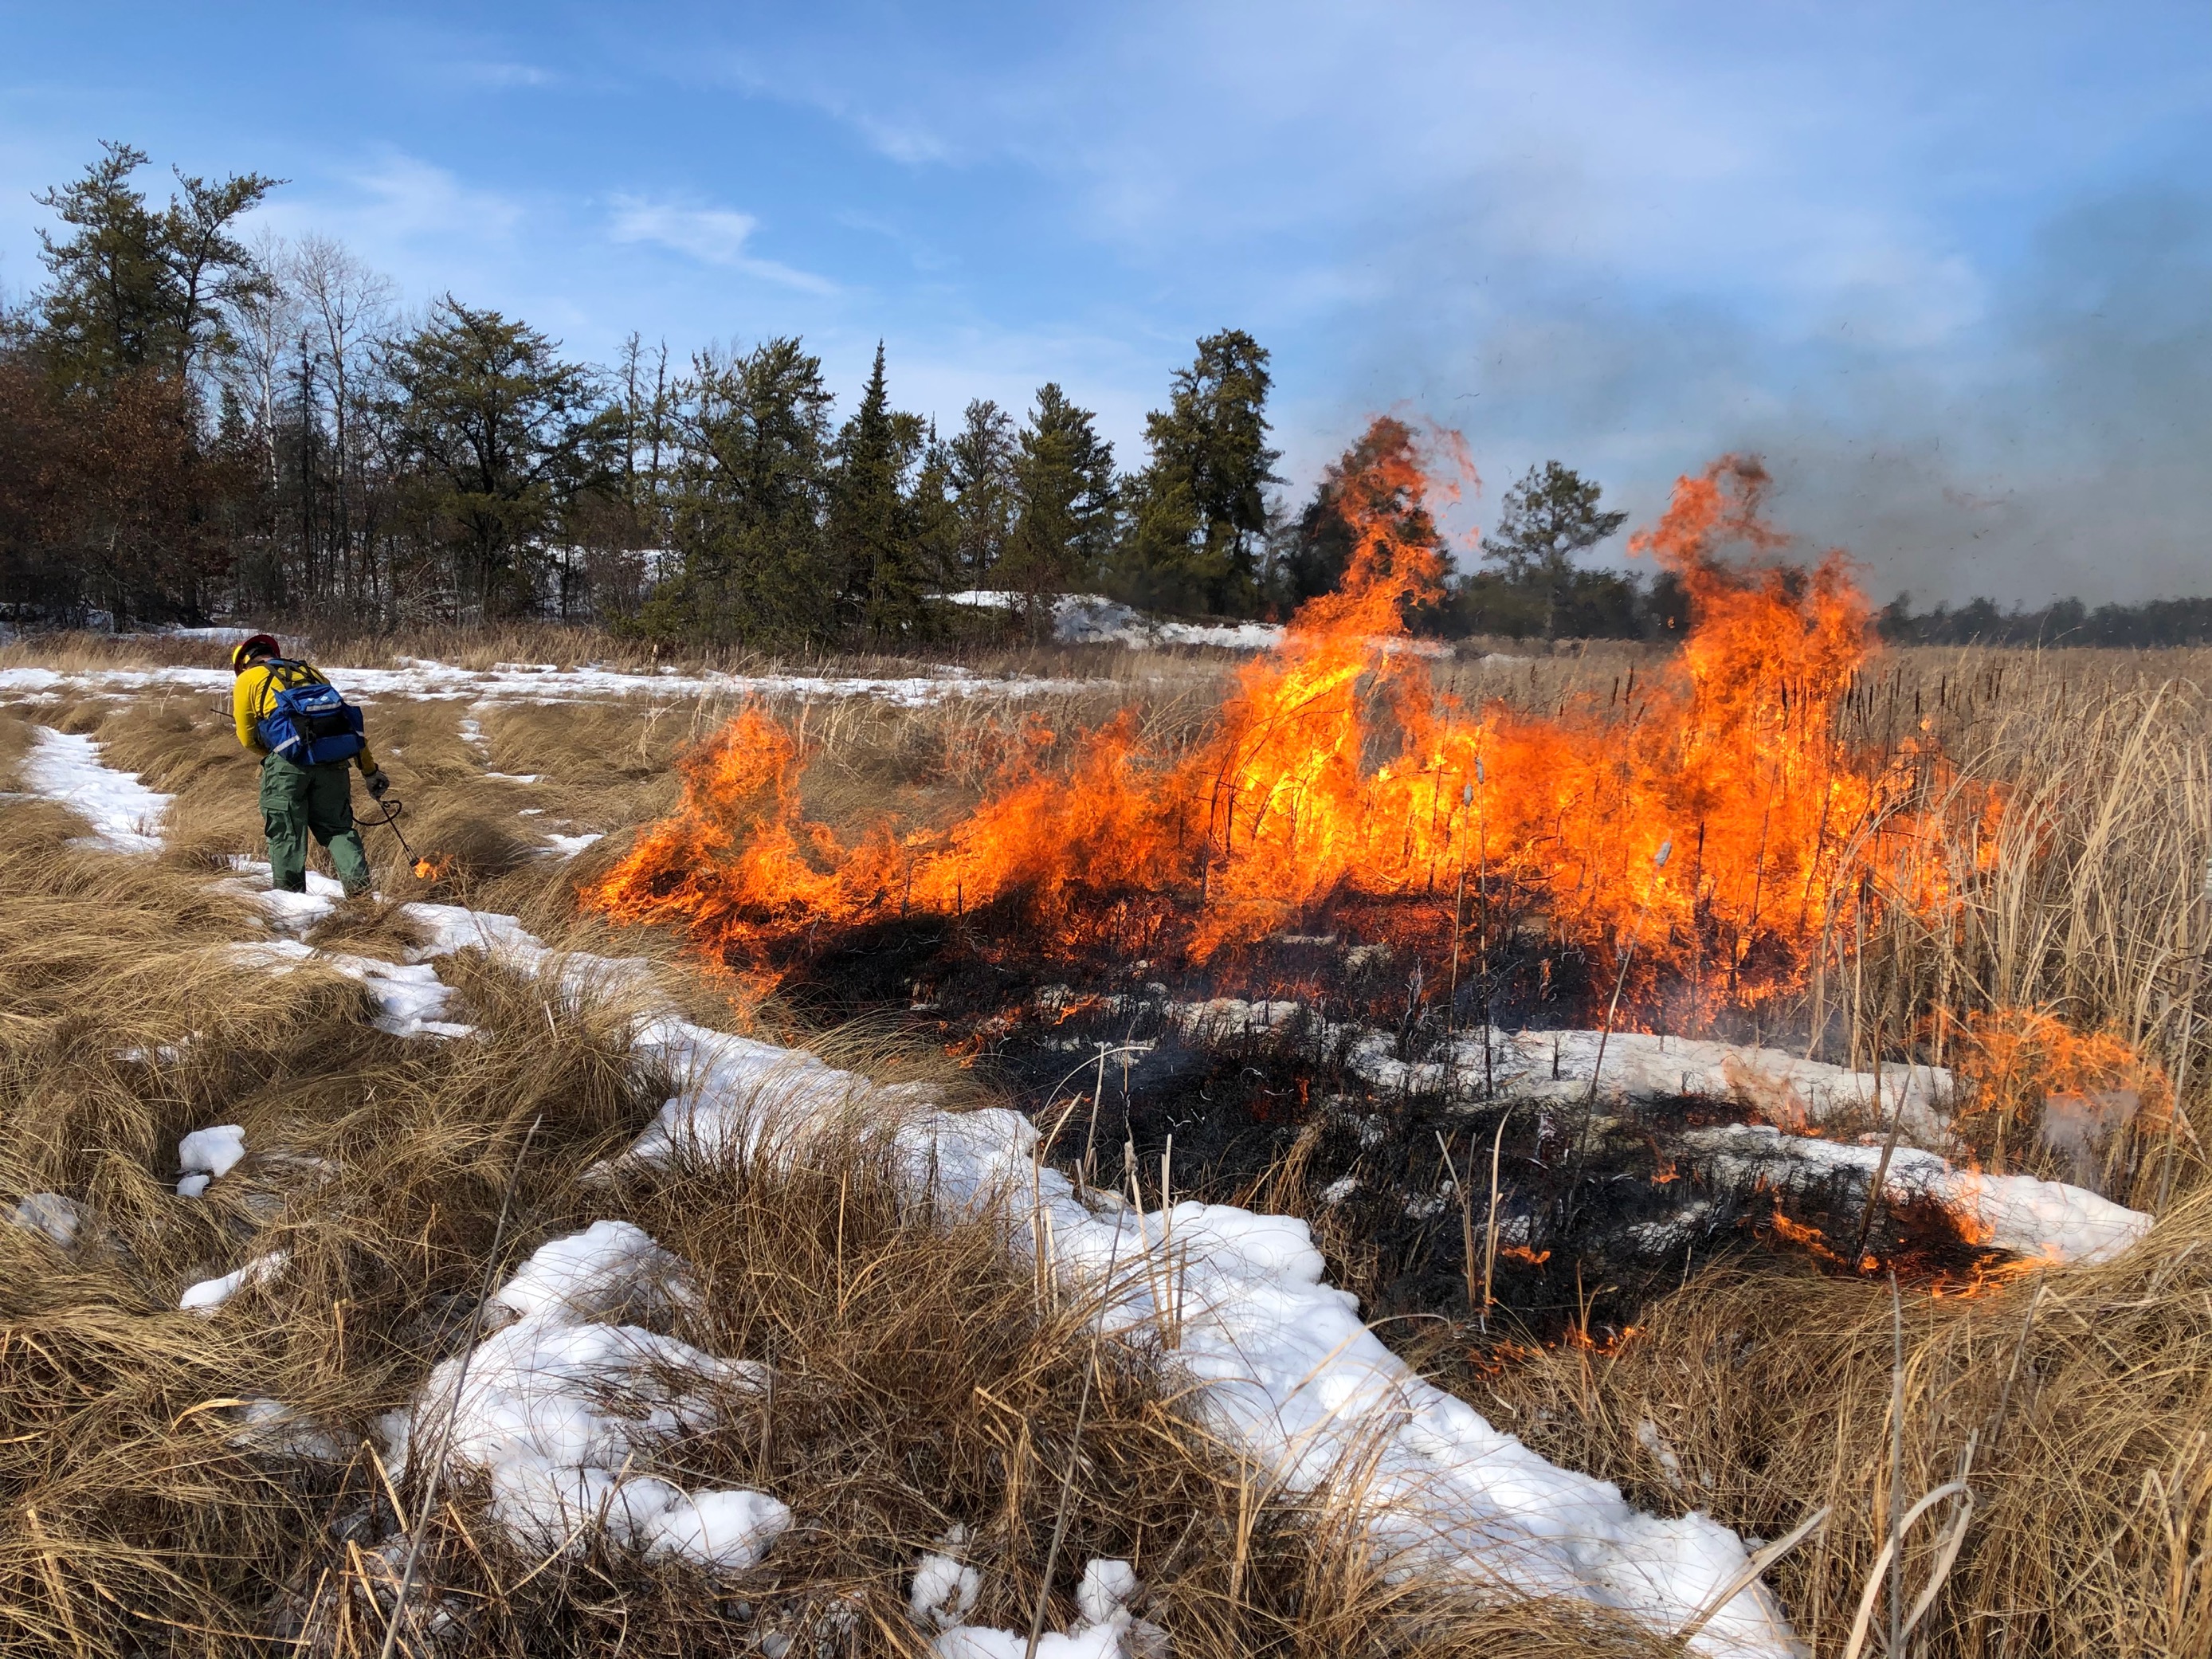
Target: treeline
(195, 426)
(190, 425)
(2067, 622)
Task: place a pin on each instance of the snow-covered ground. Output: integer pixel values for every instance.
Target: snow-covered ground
(561, 1400)
(1093, 619)
(539, 683)
(2046, 1219)
(124, 814)
(1630, 1066)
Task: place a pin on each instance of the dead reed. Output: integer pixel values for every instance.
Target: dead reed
(2073, 1405)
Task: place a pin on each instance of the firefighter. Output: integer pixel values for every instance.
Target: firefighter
(306, 735)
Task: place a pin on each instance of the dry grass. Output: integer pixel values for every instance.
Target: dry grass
(1769, 1387)
(2093, 901)
(923, 1379)
(2083, 1434)
(481, 648)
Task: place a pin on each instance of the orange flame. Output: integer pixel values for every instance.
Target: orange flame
(434, 867)
(2017, 1060)
(1336, 768)
(1811, 1238)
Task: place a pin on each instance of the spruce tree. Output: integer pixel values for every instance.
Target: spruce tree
(1199, 510)
(1064, 504)
(885, 576)
(980, 468)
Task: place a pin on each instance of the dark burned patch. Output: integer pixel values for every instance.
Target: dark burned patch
(1389, 961)
(1595, 1216)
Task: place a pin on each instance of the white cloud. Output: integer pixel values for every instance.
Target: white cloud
(714, 236)
(502, 74)
(410, 199)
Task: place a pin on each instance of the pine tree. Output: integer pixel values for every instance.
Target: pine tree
(505, 438)
(1549, 519)
(1064, 504)
(134, 288)
(1199, 510)
(747, 504)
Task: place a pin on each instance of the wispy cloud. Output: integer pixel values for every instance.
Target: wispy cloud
(409, 198)
(502, 74)
(714, 236)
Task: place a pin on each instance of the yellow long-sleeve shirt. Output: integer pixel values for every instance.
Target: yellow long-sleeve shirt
(250, 697)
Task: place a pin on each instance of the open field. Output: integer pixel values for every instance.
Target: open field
(927, 1377)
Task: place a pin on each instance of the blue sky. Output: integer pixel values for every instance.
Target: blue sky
(1950, 268)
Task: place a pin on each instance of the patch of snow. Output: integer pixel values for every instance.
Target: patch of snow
(58, 1219)
(1106, 1598)
(193, 1186)
(1643, 1066)
(1340, 1190)
(209, 1294)
(609, 1268)
(125, 816)
(1639, 1067)
(410, 999)
(215, 635)
(216, 1151)
(1093, 619)
(291, 913)
(567, 846)
(1221, 1018)
(2031, 1217)
(558, 1407)
(1650, 1238)
(446, 681)
(943, 1592)
(451, 927)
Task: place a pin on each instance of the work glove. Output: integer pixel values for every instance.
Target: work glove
(378, 783)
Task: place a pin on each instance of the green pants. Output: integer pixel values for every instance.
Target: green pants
(299, 801)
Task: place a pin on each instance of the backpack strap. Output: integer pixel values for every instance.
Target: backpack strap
(285, 674)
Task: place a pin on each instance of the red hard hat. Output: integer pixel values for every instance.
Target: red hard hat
(261, 645)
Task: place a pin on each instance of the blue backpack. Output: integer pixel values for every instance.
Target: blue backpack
(307, 722)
